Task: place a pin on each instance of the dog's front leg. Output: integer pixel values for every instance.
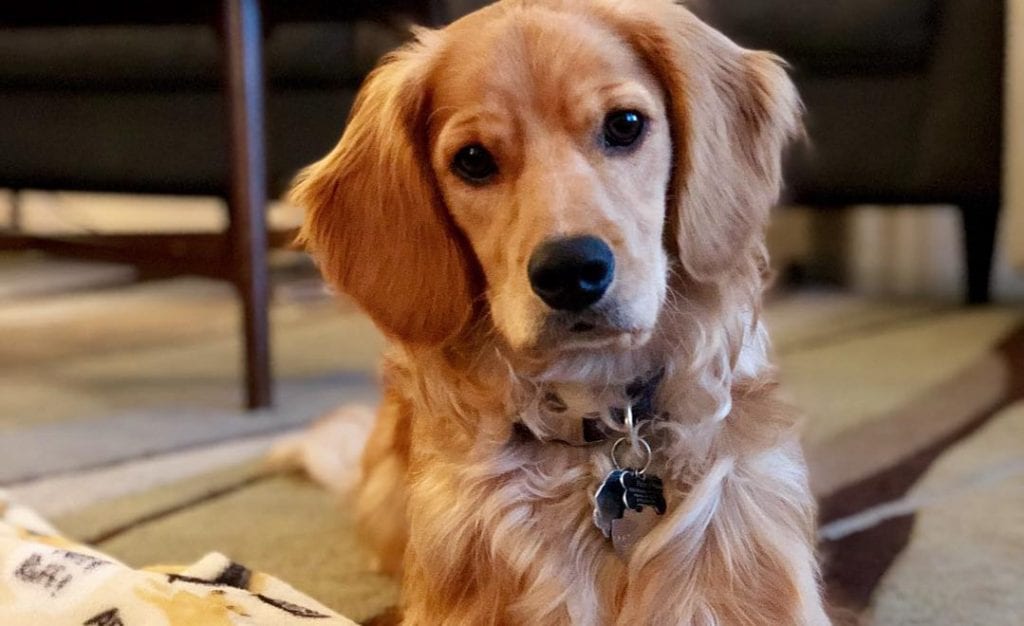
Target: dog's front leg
(380, 506)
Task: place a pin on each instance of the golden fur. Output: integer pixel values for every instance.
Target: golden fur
(485, 528)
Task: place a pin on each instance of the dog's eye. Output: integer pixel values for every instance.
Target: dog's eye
(622, 128)
(474, 164)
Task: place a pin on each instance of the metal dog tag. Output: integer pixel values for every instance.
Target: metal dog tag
(610, 501)
(644, 498)
(631, 528)
(629, 501)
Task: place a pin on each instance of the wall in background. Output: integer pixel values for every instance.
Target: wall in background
(904, 252)
(50, 213)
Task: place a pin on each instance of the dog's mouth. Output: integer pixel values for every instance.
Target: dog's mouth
(588, 330)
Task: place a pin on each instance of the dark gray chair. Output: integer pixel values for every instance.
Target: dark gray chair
(904, 103)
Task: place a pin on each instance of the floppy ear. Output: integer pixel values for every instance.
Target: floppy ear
(732, 112)
(375, 221)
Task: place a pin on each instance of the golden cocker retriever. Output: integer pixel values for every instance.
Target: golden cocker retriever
(554, 209)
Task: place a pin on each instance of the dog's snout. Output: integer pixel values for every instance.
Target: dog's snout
(571, 273)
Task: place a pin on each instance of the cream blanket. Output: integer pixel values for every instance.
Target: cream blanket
(46, 579)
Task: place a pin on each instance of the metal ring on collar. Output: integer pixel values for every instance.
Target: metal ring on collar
(647, 451)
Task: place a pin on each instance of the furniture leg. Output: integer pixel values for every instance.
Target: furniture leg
(980, 220)
(242, 38)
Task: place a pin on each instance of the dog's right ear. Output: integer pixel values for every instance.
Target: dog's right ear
(375, 220)
(731, 114)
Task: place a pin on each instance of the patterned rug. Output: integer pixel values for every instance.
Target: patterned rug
(914, 432)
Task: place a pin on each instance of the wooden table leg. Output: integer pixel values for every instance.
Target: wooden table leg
(980, 222)
(242, 37)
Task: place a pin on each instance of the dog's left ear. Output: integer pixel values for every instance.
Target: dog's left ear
(732, 112)
(375, 220)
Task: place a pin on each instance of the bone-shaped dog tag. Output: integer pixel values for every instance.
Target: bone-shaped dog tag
(643, 490)
(609, 501)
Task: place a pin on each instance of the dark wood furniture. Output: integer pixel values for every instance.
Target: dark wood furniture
(126, 96)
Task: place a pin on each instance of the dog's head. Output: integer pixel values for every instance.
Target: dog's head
(546, 165)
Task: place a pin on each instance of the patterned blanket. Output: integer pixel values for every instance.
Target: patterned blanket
(48, 579)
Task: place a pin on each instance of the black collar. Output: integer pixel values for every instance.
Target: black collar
(639, 394)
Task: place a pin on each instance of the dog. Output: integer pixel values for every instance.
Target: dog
(555, 211)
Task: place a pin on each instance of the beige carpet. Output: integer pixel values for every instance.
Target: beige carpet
(96, 376)
(916, 455)
(964, 562)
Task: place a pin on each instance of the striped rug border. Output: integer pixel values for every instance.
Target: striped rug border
(855, 564)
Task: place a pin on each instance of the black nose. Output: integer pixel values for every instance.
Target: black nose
(573, 273)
